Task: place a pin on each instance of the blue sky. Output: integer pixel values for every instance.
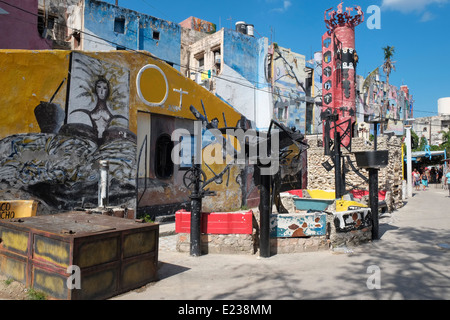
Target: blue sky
(416, 28)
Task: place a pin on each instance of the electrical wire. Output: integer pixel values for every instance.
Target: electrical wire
(230, 79)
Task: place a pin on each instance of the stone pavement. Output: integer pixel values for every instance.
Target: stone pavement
(168, 243)
(410, 261)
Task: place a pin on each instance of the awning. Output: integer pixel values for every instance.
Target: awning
(420, 154)
(427, 153)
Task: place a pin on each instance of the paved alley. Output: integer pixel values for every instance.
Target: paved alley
(409, 261)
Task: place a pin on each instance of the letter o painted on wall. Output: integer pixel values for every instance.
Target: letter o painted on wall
(141, 81)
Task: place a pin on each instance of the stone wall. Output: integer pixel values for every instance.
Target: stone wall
(389, 178)
(335, 237)
(249, 243)
(220, 243)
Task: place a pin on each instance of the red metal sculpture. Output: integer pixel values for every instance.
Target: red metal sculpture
(338, 73)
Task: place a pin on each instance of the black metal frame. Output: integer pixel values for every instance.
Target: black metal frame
(195, 180)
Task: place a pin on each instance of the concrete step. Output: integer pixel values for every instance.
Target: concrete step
(166, 228)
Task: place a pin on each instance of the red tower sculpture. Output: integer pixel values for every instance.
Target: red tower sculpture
(338, 72)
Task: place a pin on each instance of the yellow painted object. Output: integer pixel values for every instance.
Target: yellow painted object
(321, 194)
(343, 205)
(10, 209)
(109, 255)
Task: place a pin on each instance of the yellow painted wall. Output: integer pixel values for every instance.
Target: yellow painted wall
(27, 78)
(156, 83)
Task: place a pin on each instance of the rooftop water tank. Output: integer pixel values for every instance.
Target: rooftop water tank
(444, 106)
(251, 30)
(241, 27)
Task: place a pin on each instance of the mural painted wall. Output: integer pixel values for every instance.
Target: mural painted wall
(242, 77)
(166, 92)
(289, 88)
(399, 104)
(374, 98)
(57, 124)
(315, 122)
(47, 152)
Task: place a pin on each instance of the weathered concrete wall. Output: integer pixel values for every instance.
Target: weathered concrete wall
(289, 85)
(188, 37)
(220, 243)
(389, 178)
(141, 32)
(243, 83)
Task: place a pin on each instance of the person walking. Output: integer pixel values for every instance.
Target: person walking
(447, 181)
(425, 179)
(416, 179)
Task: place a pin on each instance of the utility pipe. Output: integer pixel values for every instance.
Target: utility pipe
(103, 192)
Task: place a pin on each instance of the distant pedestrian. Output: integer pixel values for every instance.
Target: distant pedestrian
(424, 178)
(416, 179)
(440, 173)
(447, 181)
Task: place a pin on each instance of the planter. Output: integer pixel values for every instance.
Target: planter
(298, 225)
(216, 222)
(312, 204)
(375, 159)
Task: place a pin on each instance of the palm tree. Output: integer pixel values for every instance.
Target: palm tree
(446, 141)
(388, 66)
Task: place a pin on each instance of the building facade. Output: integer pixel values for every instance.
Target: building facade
(122, 107)
(431, 128)
(291, 85)
(101, 26)
(314, 108)
(232, 65)
(24, 27)
(391, 104)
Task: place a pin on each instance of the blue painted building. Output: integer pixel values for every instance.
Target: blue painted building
(244, 72)
(292, 81)
(108, 27)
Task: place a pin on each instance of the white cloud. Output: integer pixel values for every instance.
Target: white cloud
(286, 5)
(407, 6)
(427, 16)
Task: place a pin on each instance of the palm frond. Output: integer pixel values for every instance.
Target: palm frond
(371, 76)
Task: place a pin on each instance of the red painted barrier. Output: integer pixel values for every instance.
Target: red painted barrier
(358, 194)
(296, 192)
(216, 222)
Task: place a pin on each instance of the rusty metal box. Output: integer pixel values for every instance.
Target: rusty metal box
(111, 255)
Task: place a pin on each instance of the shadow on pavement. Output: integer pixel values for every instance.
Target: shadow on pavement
(167, 270)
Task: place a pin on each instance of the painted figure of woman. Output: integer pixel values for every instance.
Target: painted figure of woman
(101, 117)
